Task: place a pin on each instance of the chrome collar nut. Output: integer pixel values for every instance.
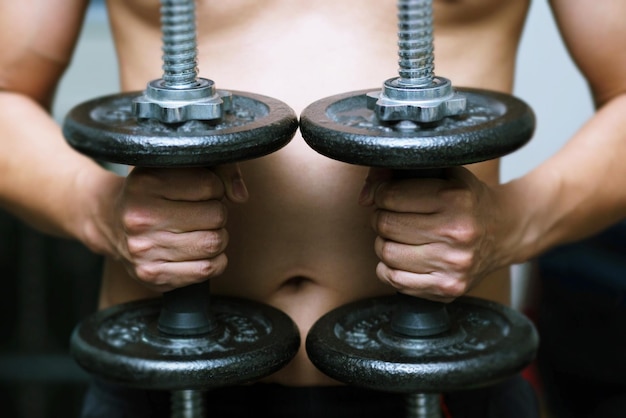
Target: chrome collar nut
(176, 105)
(399, 101)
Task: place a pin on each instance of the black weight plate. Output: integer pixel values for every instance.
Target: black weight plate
(106, 129)
(487, 342)
(343, 128)
(121, 344)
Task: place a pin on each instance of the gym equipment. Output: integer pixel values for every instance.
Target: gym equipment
(417, 124)
(186, 342)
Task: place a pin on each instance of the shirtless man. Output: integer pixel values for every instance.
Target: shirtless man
(298, 231)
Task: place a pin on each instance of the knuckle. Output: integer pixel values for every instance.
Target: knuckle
(148, 273)
(453, 288)
(394, 277)
(205, 269)
(212, 267)
(139, 246)
(467, 233)
(219, 268)
(215, 241)
(386, 195)
(211, 186)
(383, 223)
(464, 261)
(141, 179)
(386, 250)
(458, 197)
(136, 221)
(218, 213)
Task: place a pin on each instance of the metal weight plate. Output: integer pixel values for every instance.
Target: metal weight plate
(343, 128)
(486, 343)
(106, 129)
(121, 344)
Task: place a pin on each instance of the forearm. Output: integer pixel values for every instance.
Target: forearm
(49, 185)
(576, 193)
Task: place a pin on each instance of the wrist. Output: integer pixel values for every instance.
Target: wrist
(517, 222)
(95, 222)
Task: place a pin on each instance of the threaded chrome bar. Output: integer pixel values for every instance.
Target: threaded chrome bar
(180, 48)
(415, 42)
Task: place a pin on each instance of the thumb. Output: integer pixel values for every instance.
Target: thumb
(375, 177)
(230, 174)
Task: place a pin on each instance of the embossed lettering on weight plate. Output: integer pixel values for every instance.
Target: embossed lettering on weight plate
(475, 332)
(244, 330)
(134, 332)
(362, 333)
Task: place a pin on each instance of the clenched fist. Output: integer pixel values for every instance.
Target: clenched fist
(172, 223)
(435, 235)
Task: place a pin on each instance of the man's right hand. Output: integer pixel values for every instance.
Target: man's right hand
(171, 230)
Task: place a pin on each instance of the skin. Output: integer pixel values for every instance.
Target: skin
(294, 229)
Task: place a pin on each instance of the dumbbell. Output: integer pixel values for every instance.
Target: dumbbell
(187, 341)
(417, 125)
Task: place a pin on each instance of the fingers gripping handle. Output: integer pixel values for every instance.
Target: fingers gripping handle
(186, 311)
(413, 316)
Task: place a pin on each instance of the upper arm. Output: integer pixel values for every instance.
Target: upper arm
(595, 35)
(37, 38)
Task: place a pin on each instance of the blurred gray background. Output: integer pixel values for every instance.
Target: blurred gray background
(51, 284)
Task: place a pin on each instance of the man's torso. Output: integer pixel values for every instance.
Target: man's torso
(302, 243)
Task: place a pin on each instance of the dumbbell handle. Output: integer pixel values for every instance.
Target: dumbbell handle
(186, 311)
(413, 316)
